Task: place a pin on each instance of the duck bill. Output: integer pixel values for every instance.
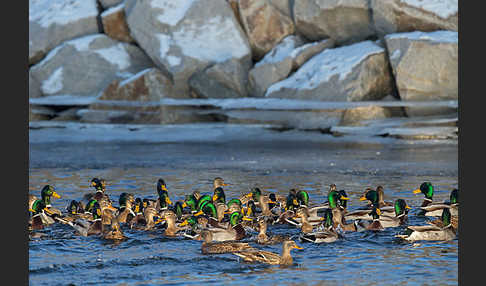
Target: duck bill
(199, 213)
(48, 211)
(111, 208)
(159, 220)
(56, 195)
(215, 197)
(184, 223)
(297, 247)
(184, 205)
(246, 218)
(168, 201)
(417, 191)
(345, 198)
(164, 188)
(407, 207)
(31, 210)
(225, 184)
(363, 198)
(378, 211)
(295, 202)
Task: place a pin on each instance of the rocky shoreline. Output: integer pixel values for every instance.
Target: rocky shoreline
(167, 62)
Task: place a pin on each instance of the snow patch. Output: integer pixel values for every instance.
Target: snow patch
(437, 36)
(174, 61)
(320, 68)
(442, 8)
(164, 41)
(54, 83)
(116, 55)
(113, 9)
(174, 11)
(217, 40)
(279, 52)
(62, 12)
(82, 44)
(396, 54)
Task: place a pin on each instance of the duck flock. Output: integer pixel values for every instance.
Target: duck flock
(223, 224)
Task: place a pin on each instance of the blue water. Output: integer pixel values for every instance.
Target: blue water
(149, 258)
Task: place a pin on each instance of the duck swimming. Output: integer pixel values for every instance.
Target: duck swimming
(443, 230)
(163, 201)
(268, 257)
(210, 247)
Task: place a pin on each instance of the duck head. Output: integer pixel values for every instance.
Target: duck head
(370, 195)
(47, 192)
(97, 184)
(302, 197)
(401, 207)
(218, 182)
(453, 197)
(334, 197)
(427, 189)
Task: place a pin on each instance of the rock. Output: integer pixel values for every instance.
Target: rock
(109, 3)
(349, 73)
(184, 37)
(283, 59)
(34, 87)
(345, 21)
(236, 10)
(355, 116)
(52, 22)
(86, 65)
(39, 113)
(148, 85)
(425, 65)
(410, 15)
(265, 25)
(222, 80)
(115, 25)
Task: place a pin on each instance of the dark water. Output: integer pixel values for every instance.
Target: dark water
(148, 258)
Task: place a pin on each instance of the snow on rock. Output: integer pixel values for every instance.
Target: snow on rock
(425, 65)
(345, 21)
(52, 22)
(348, 73)
(184, 37)
(115, 25)
(86, 65)
(410, 15)
(284, 58)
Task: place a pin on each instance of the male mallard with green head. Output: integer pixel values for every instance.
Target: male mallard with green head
(443, 230)
(163, 201)
(435, 209)
(324, 233)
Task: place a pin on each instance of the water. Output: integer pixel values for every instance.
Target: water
(148, 258)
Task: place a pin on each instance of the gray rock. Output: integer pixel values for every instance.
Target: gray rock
(34, 87)
(394, 16)
(148, 85)
(355, 116)
(184, 37)
(86, 65)
(349, 73)
(345, 21)
(265, 24)
(283, 59)
(223, 80)
(425, 65)
(52, 22)
(109, 3)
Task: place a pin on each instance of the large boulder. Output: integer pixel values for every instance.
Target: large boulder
(184, 37)
(394, 16)
(265, 24)
(425, 65)
(86, 65)
(283, 59)
(349, 73)
(115, 25)
(221, 80)
(345, 21)
(52, 22)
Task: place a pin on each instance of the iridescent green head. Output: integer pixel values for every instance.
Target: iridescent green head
(427, 189)
(292, 202)
(203, 200)
(191, 202)
(47, 192)
(162, 188)
(97, 184)
(453, 197)
(401, 207)
(219, 196)
(334, 197)
(370, 195)
(446, 217)
(235, 218)
(234, 201)
(256, 193)
(209, 209)
(178, 209)
(303, 197)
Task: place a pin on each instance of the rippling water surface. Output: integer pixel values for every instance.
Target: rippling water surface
(147, 258)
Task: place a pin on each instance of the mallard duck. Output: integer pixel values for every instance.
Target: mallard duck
(219, 196)
(438, 231)
(125, 212)
(100, 189)
(39, 219)
(163, 201)
(262, 201)
(114, 232)
(324, 233)
(170, 217)
(263, 238)
(374, 225)
(427, 189)
(210, 247)
(364, 214)
(46, 193)
(138, 210)
(85, 227)
(233, 231)
(400, 218)
(268, 257)
(435, 209)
